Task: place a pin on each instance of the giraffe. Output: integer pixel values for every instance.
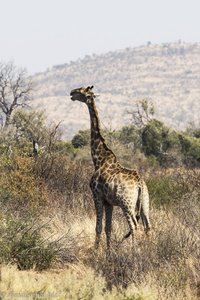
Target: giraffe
(111, 184)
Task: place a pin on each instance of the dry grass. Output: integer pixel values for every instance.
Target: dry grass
(161, 267)
(164, 266)
(66, 284)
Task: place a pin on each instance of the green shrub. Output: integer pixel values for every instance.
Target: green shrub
(163, 190)
(22, 243)
(130, 136)
(82, 138)
(157, 138)
(190, 147)
(64, 148)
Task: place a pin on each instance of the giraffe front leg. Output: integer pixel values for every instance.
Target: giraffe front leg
(108, 227)
(99, 217)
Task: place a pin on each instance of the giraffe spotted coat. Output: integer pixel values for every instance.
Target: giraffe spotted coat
(112, 184)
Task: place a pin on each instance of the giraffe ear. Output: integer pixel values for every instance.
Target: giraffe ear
(87, 88)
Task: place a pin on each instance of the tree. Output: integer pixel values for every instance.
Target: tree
(156, 138)
(81, 139)
(15, 89)
(143, 114)
(190, 147)
(31, 126)
(130, 136)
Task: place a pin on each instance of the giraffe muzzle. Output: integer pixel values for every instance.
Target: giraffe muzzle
(73, 96)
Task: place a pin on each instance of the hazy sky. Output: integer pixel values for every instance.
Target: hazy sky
(37, 34)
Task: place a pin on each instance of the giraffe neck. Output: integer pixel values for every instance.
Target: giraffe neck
(99, 150)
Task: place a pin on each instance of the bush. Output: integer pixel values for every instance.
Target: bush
(67, 179)
(21, 243)
(168, 187)
(190, 147)
(130, 136)
(18, 184)
(82, 138)
(64, 148)
(163, 190)
(157, 139)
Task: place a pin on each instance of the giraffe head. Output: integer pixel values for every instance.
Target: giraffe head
(83, 94)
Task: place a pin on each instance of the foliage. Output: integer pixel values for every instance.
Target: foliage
(130, 136)
(155, 138)
(30, 125)
(190, 147)
(82, 138)
(21, 243)
(19, 186)
(26, 128)
(64, 148)
(164, 189)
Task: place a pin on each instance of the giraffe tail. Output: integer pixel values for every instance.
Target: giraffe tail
(144, 207)
(138, 205)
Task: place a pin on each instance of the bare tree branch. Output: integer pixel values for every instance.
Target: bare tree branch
(15, 89)
(143, 113)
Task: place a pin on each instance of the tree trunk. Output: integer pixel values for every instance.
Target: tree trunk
(7, 122)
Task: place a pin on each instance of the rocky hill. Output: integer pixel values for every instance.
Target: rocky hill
(168, 74)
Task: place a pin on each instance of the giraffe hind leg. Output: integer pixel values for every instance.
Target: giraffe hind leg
(132, 222)
(129, 233)
(137, 217)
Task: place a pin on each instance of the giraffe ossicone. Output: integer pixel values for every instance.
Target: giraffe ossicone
(112, 184)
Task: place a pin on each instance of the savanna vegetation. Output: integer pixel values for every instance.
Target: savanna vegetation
(47, 218)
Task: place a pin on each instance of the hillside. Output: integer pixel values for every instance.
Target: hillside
(169, 74)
